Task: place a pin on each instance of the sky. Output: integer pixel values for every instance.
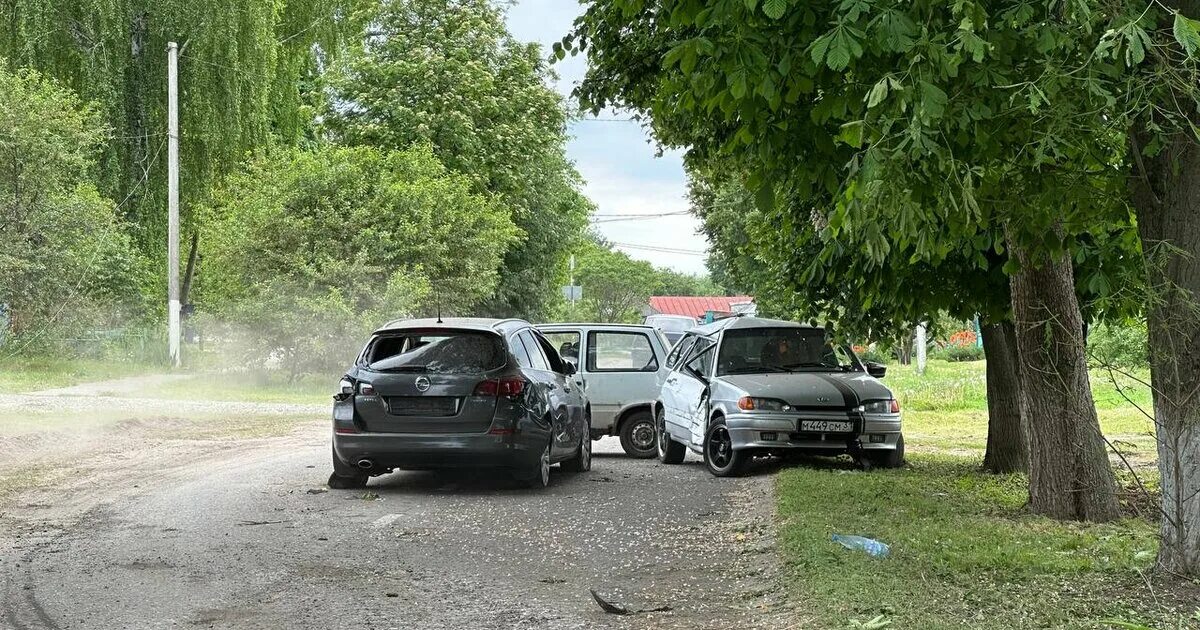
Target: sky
(617, 159)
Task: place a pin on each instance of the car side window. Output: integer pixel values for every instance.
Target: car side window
(700, 360)
(680, 350)
(553, 360)
(612, 351)
(519, 351)
(535, 351)
(567, 342)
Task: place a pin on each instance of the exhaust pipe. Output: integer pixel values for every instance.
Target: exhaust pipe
(366, 464)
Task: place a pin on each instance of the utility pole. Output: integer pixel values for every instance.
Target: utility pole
(572, 282)
(173, 326)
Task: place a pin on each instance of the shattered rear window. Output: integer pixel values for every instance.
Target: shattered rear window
(443, 352)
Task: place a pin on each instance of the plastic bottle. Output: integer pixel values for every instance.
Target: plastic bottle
(873, 547)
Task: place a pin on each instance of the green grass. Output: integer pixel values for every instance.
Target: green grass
(246, 387)
(20, 375)
(964, 553)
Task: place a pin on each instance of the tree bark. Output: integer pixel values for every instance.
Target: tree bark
(1008, 437)
(1069, 474)
(1166, 194)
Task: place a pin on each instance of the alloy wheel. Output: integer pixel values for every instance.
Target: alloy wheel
(720, 448)
(545, 466)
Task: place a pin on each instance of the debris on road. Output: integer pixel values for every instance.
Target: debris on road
(617, 609)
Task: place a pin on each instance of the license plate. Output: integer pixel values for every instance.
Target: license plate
(422, 406)
(826, 426)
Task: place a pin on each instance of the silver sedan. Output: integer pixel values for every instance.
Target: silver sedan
(741, 387)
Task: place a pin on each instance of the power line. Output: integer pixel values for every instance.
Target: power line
(634, 217)
(661, 250)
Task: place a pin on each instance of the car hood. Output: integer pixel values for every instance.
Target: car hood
(840, 390)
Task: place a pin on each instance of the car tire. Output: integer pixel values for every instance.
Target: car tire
(638, 435)
(582, 461)
(538, 474)
(719, 456)
(345, 477)
(892, 458)
(669, 451)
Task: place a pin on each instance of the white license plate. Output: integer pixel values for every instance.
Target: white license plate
(826, 426)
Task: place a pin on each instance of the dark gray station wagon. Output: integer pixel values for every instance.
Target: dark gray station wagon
(459, 393)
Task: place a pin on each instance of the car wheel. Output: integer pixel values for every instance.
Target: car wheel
(537, 475)
(582, 461)
(669, 451)
(893, 458)
(346, 477)
(719, 456)
(638, 435)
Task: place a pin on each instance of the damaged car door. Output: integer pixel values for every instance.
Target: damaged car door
(692, 388)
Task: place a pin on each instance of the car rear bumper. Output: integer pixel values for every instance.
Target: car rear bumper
(755, 430)
(409, 451)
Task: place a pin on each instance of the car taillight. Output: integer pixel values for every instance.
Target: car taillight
(895, 406)
(511, 387)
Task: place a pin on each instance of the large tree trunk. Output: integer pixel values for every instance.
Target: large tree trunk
(1167, 198)
(1069, 473)
(1008, 438)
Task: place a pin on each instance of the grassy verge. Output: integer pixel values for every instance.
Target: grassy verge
(245, 387)
(964, 554)
(19, 375)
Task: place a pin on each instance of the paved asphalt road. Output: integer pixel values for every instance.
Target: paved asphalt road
(244, 534)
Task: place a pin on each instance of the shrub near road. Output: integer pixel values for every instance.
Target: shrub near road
(964, 550)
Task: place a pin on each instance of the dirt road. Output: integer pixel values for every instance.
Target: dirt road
(214, 531)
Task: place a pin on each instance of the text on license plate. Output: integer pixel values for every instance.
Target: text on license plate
(826, 426)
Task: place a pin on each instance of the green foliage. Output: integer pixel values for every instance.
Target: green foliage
(448, 73)
(671, 282)
(615, 287)
(900, 159)
(311, 250)
(65, 258)
(241, 73)
(1120, 345)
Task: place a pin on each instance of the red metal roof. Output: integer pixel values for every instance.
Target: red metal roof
(694, 306)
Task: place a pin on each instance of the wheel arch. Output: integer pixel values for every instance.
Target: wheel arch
(626, 413)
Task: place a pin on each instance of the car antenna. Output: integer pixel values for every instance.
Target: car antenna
(439, 308)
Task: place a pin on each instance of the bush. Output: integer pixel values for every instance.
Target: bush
(312, 250)
(1120, 345)
(872, 354)
(959, 353)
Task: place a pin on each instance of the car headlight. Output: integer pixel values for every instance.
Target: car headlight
(880, 406)
(748, 403)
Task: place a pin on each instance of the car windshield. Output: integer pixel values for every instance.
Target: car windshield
(446, 352)
(672, 324)
(758, 350)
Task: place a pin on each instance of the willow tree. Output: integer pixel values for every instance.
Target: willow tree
(242, 71)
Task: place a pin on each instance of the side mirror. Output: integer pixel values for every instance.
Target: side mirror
(570, 367)
(878, 370)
